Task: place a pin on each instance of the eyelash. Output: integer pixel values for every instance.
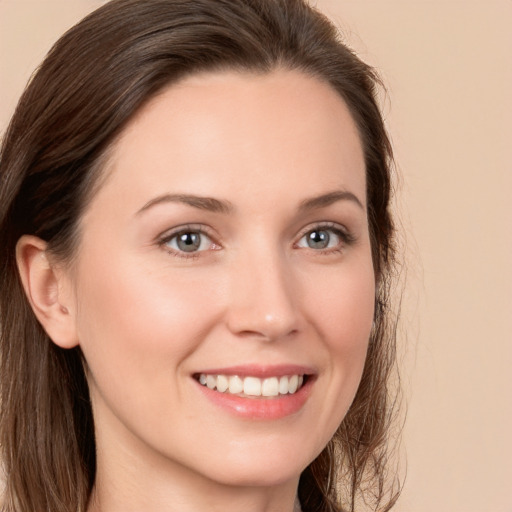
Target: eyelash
(168, 237)
(345, 237)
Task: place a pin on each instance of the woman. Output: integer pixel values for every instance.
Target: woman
(196, 250)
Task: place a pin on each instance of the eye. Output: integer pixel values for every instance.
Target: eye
(187, 241)
(323, 237)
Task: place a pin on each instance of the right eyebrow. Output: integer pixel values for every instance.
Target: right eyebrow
(201, 202)
(327, 199)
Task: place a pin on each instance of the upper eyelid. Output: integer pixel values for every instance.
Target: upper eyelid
(325, 225)
(197, 228)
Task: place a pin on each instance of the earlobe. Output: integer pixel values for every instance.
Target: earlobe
(47, 290)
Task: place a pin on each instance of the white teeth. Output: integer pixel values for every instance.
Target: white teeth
(270, 387)
(211, 381)
(253, 386)
(292, 383)
(283, 385)
(236, 385)
(222, 383)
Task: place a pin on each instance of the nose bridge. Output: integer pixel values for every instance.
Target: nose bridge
(263, 302)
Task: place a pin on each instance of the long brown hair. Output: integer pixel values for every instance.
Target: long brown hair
(95, 78)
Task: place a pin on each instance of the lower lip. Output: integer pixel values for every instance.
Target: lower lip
(260, 408)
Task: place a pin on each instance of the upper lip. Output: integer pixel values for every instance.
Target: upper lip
(261, 371)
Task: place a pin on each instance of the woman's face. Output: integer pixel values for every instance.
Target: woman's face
(227, 255)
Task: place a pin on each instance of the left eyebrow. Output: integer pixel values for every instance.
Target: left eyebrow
(202, 203)
(325, 200)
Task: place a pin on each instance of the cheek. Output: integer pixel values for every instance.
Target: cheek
(343, 304)
(132, 322)
(343, 307)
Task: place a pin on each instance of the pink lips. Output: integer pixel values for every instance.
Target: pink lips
(260, 408)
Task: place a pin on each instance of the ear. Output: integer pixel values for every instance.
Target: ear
(48, 290)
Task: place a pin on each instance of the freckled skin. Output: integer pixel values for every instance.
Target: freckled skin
(149, 317)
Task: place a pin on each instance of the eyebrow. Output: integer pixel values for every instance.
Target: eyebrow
(325, 200)
(217, 206)
(202, 203)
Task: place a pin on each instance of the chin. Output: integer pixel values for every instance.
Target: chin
(260, 468)
(268, 476)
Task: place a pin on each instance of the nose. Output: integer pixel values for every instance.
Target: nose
(263, 298)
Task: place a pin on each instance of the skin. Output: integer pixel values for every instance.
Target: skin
(148, 317)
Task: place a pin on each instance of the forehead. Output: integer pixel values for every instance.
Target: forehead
(239, 132)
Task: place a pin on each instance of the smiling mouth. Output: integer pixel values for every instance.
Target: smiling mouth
(252, 387)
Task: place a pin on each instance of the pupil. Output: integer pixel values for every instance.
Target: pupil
(318, 239)
(189, 242)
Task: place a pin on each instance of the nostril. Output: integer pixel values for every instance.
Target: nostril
(267, 334)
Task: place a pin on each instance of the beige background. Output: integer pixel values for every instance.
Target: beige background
(448, 68)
